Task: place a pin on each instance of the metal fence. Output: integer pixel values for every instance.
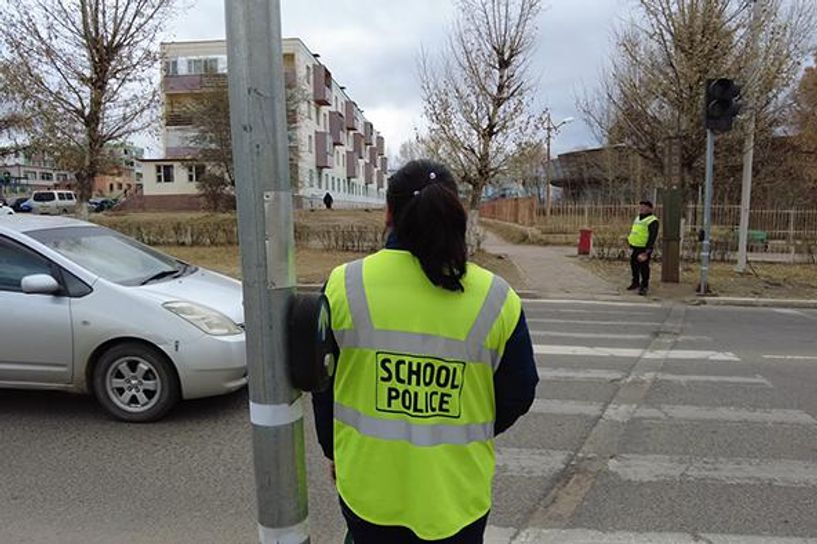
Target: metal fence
(785, 225)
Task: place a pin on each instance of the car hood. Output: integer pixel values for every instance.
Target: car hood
(203, 287)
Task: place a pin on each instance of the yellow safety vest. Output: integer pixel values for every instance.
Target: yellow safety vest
(414, 393)
(640, 233)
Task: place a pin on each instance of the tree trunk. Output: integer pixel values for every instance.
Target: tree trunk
(473, 234)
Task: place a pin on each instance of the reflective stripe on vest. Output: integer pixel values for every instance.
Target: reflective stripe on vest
(417, 435)
(472, 349)
(640, 232)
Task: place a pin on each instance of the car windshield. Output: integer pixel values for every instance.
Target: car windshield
(110, 255)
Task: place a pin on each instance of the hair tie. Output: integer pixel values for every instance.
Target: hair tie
(432, 176)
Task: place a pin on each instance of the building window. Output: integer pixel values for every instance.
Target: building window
(309, 111)
(325, 120)
(62, 177)
(309, 74)
(309, 143)
(210, 66)
(172, 67)
(118, 186)
(30, 175)
(195, 172)
(110, 187)
(311, 178)
(336, 103)
(46, 176)
(164, 173)
(318, 115)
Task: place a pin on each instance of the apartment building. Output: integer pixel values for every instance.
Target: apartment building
(32, 172)
(338, 150)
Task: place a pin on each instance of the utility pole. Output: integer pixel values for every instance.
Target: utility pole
(550, 131)
(264, 194)
(749, 142)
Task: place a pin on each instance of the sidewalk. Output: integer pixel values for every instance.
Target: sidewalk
(549, 271)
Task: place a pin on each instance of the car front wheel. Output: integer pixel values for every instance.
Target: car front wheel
(135, 383)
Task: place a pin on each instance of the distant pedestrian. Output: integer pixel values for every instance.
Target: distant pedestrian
(642, 239)
(328, 201)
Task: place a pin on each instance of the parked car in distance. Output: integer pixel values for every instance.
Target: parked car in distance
(55, 202)
(98, 205)
(17, 204)
(88, 310)
(5, 209)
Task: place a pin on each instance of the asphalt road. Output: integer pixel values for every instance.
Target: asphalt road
(652, 424)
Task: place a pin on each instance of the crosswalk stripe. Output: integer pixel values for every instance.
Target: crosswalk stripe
(594, 374)
(592, 303)
(620, 322)
(586, 536)
(732, 471)
(792, 357)
(623, 412)
(530, 462)
(591, 335)
(628, 313)
(679, 354)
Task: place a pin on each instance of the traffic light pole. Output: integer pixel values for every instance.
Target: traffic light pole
(264, 195)
(706, 247)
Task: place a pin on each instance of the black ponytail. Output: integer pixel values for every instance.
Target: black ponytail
(430, 221)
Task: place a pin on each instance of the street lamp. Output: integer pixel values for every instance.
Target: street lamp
(551, 130)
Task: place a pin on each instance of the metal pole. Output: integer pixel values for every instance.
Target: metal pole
(749, 142)
(264, 194)
(547, 165)
(710, 162)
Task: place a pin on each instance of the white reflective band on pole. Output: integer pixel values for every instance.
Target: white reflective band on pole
(276, 415)
(297, 534)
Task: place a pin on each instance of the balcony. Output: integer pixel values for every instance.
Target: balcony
(359, 146)
(336, 128)
(193, 82)
(322, 85)
(381, 146)
(381, 179)
(373, 155)
(369, 176)
(290, 79)
(352, 165)
(174, 119)
(384, 164)
(323, 150)
(351, 119)
(368, 131)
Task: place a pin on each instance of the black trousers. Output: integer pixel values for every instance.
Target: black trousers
(641, 271)
(364, 532)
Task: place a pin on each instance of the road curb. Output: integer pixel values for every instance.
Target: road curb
(753, 302)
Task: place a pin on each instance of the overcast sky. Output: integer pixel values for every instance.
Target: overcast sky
(371, 47)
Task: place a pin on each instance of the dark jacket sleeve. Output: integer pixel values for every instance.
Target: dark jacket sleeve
(516, 378)
(653, 235)
(323, 404)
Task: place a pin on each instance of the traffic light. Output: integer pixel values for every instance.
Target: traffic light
(722, 104)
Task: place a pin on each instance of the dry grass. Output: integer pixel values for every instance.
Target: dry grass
(314, 266)
(770, 280)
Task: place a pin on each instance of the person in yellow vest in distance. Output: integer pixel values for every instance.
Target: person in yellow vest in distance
(434, 361)
(642, 239)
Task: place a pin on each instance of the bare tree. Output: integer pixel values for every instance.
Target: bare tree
(654, 87)
(477, 96)
(210, 119)
(84, 71)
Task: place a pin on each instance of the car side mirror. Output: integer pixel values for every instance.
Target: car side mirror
(39, 284)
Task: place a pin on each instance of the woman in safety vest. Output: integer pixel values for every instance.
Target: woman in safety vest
(434, 360)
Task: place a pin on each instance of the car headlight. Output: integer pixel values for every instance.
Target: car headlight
(206, 319)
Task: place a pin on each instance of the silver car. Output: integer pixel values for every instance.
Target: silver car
(85, 309)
